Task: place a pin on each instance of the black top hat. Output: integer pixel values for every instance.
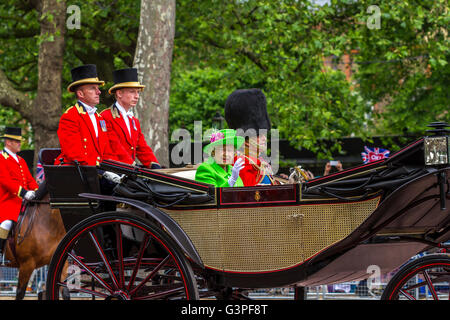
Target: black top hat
(247, 109)
(12, 133)
(84, 75)
(125, 78)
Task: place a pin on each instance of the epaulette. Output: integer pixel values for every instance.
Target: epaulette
(68, 109)
(80, 109)
(5, 154)
(115, 111)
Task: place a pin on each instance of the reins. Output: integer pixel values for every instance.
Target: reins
(23, 214)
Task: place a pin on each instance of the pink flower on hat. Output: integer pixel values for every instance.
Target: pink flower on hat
(216, 136)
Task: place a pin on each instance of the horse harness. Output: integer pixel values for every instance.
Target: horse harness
(18, 225)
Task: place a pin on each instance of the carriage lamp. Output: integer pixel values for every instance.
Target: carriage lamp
(217, 121)
(437, 147)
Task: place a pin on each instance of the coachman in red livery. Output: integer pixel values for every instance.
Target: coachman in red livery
(124, 130)
(82, 132)
(16, 182)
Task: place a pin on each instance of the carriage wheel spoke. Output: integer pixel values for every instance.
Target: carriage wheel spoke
(120, 255)
(144, 245)
(83, 290)
(151, 275)
(407, 295)
(162, 294)
(92, 273)
(105, 260)
(430, 285)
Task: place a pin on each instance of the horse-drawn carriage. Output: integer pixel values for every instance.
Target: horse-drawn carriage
(169, 237)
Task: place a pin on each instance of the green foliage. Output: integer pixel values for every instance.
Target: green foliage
(278, 46)
(410, 71)
(198, 94)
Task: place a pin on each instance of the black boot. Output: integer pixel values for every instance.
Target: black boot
(3, 261)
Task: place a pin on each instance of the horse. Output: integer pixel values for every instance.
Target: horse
(34, 239)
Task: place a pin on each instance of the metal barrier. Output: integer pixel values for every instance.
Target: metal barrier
(9, 279)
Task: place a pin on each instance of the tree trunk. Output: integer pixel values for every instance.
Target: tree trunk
(153, 59)
(45, 110)
(47, 104)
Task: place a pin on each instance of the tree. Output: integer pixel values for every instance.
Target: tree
(404, 62)
(153, 60)
(42, 109)
(280, 46)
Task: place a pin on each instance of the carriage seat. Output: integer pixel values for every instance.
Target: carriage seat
(48, 155)
(160, 193)
(64, 184)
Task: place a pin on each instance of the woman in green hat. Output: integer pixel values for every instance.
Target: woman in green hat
(217, 170)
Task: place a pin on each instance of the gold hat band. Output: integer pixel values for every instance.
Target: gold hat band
(126, 85)
(85, 81)
(10, 136)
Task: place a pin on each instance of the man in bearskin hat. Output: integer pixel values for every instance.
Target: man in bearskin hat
(82, 132)
(16, 182)
(124, 129)
(246, 111)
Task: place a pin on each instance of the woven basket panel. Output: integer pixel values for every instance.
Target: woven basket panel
(260, 239)
(325, 225)
(269, 238)
(203, 229)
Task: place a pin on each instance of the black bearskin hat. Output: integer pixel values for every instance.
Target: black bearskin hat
(247, 109)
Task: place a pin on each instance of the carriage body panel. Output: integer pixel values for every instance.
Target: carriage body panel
(327, 230)
(258, 239)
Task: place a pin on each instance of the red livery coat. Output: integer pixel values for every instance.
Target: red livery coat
(78, 141)
(124, 147)
(15, 181)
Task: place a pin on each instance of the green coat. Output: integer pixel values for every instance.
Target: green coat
(215, 175)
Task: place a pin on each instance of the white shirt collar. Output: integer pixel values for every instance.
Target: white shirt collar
(90, 110)
(12, 154)
(122, 110)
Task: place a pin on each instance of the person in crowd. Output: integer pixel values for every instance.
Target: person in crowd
(220, 169)
(124, 130)
(16, 183)
(330, 164)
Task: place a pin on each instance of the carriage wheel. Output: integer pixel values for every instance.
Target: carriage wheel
(429, 272)
(120, 256)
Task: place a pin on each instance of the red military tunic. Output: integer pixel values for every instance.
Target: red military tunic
(78, 141)
(15, 180)
(127, 148)
(255, 172)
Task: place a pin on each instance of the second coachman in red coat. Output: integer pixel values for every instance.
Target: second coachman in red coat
(124, 130)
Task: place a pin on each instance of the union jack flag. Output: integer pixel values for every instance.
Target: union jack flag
(39, 173)
(374, 154)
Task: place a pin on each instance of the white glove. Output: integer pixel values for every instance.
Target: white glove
(111, 176)
(238, 165)
(30, 195)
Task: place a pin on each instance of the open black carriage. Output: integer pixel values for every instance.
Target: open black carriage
(172, 237)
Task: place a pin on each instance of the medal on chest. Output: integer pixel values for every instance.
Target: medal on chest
(103, 125)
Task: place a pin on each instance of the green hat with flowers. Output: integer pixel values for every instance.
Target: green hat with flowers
(223, 137)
